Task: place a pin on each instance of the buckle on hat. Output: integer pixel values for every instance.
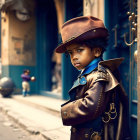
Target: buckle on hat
(73, 37)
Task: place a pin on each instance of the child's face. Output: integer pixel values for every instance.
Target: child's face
(26, 73)
(81, 55)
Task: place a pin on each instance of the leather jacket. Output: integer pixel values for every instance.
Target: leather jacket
(90, 99)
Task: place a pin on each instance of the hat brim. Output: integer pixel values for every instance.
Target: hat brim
(90, 34)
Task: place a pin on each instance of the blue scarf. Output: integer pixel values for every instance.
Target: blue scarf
(89, 68)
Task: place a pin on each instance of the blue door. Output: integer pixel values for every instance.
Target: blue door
(121, 44)
(46, 42)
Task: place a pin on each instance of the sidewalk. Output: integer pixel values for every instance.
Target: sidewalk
(37, 114)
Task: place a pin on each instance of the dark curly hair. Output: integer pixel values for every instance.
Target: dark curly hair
(26, 70)
(96, 42)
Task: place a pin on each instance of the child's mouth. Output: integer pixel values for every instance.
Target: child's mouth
(77, 64)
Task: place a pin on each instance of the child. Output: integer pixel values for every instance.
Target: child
(98, 105)
(25, 82)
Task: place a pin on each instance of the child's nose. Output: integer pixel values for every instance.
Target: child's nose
(75, 56)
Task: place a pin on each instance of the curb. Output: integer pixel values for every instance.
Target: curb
(11, 115)
(37, 115)
(41, 107)
(16, 119)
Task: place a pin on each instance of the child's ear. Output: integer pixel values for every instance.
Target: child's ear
(97, 52)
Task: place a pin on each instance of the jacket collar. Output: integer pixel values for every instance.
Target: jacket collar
(112, 64)
(88, 69)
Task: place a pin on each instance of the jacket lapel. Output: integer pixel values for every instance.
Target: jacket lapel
(80, 81)
(81, 78)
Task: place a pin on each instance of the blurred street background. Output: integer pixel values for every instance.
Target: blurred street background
(38, 115)
(14, 131)
(30, 31)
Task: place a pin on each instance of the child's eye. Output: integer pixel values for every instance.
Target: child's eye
(79, 50)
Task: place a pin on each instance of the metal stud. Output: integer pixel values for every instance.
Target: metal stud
(77, 97)
(135, 55)
(86, 135)
(73, 130)
(65, 114)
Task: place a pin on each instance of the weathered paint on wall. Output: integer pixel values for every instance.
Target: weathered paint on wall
(22, 41)
(59, 4)
(18, 40)
(18, 46)
(5, 38)
(94, 8)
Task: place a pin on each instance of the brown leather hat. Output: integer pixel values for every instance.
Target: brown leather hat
(80, 29)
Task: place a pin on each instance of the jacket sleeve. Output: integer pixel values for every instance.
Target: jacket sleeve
(93, 104)
(87, 108)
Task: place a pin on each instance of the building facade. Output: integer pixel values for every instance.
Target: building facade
(30, 31)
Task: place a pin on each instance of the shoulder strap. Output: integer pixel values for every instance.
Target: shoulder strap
(102, 74)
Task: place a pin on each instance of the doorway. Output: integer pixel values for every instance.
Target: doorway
(119, 24)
